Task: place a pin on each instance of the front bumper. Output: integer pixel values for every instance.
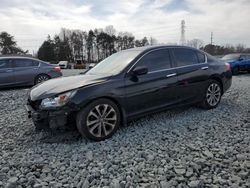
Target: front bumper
(52, 119)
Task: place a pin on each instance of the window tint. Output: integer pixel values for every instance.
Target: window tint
(4, 64)
(185, 56)
(201, 57)
(25, 63)
(156, 60)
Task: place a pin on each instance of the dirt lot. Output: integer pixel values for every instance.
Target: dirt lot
(187, 147)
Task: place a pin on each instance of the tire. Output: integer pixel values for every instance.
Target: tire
(212, 95)
(99, 120)
(236, 70)
(41, 78)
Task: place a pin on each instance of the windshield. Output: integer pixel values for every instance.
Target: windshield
(231, 57)
(115, 63)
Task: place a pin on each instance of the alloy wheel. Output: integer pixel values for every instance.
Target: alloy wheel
(101, 120)
(42, 78)
(213, 94)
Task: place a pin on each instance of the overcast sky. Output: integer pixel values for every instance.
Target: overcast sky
(30, 21)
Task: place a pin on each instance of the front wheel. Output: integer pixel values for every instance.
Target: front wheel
(212, 95)
(99, 120)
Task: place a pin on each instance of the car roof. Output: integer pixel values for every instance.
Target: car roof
(20, 57)
(148, 48)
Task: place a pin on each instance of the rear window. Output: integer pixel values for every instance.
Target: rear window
(185, 57)
(4, 64)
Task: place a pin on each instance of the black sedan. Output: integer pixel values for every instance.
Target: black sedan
(127, 85)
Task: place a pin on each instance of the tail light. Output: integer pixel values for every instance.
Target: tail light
(57, 69)
(227, 66)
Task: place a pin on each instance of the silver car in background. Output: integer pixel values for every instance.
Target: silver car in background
(25, 71)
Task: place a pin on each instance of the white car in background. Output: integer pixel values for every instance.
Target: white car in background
(63, 64)
(91, 65)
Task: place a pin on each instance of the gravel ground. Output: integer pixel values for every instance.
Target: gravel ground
(186, 147)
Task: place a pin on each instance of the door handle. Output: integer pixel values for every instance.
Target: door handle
(204, 68)
(9, 70)
(171, 75)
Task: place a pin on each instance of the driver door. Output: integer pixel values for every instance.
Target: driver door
(156, 88)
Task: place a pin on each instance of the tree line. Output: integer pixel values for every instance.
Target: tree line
(95, 45)
(88, 46)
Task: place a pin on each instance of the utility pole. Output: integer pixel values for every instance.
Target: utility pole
(183, 39)
(211, 38)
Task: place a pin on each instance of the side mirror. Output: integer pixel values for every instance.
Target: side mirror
(140, 70)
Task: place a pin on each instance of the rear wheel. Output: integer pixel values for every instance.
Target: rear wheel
(99, 120)
(41, 78)
(212, 95)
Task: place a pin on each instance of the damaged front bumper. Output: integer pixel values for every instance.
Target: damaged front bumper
(50, 119)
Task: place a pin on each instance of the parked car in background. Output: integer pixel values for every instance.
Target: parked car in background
(91, 65)
(64, 65)
(129, 84)
(79, 65)
(238, 62)
(25, 71)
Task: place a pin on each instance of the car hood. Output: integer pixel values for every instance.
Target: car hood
(60, 85)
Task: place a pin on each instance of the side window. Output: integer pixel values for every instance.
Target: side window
(201, 57)
(4, 64)
(185, 57)
(156, 60)
(24, 63)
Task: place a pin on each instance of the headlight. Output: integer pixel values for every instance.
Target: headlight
(57, 101)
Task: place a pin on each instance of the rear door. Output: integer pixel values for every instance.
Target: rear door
(193, 72)
(6, 73)
(156, 88)
(25, 70)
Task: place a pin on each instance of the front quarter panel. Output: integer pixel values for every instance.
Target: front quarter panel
(113, 89)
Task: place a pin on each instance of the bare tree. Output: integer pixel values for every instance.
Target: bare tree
(240, 48)
(153, 41)
(195, 43)
(110, 30)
